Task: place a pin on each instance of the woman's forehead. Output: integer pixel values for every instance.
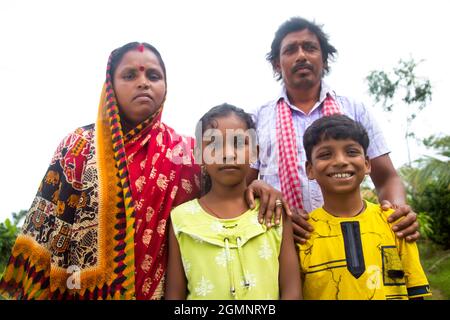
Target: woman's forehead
(135, 58)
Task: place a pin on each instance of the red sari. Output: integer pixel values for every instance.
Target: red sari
(162, 175)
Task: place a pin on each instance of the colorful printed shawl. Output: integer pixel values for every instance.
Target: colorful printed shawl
(288, 151)
(97, 226)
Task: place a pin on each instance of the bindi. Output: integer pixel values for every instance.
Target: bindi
(141, 68)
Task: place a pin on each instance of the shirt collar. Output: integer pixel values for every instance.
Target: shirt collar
(324, 90)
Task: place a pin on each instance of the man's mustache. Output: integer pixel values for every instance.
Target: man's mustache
(302, 65)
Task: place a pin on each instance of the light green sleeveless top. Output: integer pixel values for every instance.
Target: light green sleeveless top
(227, 258)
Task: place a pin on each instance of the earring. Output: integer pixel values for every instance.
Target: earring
(203, 170)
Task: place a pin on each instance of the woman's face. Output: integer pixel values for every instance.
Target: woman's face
(139, 86)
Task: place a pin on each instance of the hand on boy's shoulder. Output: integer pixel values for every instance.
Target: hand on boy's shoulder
(386, 205)
(387, 209)
(385, 212)
(405, 221)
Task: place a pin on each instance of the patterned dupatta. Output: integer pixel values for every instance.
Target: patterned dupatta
(97, 226)
(291, 185)
(157, 172)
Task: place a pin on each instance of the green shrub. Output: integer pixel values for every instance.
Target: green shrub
(435, 201)
(8, 233)
(425, 224)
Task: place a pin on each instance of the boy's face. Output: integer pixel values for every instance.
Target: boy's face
(338, 166)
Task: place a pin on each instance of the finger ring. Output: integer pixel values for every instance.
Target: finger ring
(278, 203)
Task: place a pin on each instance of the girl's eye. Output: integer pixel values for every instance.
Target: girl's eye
(214, 141)
(240, 142)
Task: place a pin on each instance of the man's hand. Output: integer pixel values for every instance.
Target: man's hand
(267, 197)
(302, 229)
(408, 227)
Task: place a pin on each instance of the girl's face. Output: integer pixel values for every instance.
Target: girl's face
(139, 86)
(227, 150)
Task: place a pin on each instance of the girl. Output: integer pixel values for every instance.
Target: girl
(217, 247)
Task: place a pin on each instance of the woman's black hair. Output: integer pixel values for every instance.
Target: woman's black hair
(209, 120)
(117, 55)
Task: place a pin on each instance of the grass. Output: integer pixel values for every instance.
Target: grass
(436, 263)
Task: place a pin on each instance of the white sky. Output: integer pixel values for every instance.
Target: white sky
(53, 57)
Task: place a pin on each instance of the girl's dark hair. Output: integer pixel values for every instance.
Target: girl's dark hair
(209, 120)
(336, 127)
(295, 24)
(117, 55)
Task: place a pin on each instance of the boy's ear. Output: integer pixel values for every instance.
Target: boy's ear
(309, 170)
(368, 166)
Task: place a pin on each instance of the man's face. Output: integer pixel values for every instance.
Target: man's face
(301, 64)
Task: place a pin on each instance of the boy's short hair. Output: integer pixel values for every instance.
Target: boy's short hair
(337, 127)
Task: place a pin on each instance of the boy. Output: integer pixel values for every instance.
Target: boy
(353, 253)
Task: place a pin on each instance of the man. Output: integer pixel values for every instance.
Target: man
(300, 55)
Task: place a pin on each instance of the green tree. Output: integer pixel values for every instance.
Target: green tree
(428, 169)
(428, 190)
(8, 233)
(435, 201)
(434, 168)
(401, 89)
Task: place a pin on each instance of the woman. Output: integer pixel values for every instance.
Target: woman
(97, 227)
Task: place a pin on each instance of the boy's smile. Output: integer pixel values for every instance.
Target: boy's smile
(341, 175)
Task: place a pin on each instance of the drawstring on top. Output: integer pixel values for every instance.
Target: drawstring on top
(230, 268)
(241, 260)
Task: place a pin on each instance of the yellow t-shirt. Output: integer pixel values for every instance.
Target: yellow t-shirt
(359, 258)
